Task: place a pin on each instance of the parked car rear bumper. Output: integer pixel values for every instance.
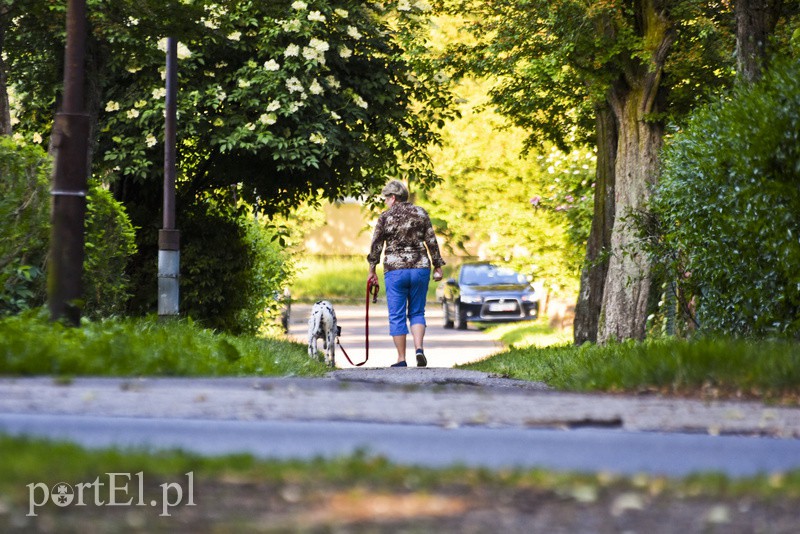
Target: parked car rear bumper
(500, 312)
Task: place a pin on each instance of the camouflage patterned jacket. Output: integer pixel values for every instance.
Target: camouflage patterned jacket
(406, 230)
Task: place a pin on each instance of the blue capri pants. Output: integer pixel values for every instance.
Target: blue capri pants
(406, 291)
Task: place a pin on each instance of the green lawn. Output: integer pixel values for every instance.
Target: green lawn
(31, 345)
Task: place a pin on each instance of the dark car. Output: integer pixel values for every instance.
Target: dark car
(485, 292)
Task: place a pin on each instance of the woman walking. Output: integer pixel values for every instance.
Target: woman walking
(406, 232)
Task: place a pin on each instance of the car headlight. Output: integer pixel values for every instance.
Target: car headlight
(530, 297)
(471, 299)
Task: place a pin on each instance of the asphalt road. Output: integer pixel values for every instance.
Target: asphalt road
(586, 450)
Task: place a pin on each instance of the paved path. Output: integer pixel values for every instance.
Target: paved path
(465, 416)
(445, 397)
(443, 347)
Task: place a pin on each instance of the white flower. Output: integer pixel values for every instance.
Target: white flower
(345, 52)
(335, 116)
(37, 137)
(272, 65)
(243, 84)
(235, 36)
(353, 32)
(299, 5)
(422, 5)
(250, 126)
(316, 16)
(151, 140)
(294, 106)
(140, 103)
(292, 50)
(341, 12)
(319, 44)
(112, 106)
(18, 137)
(403, 5)
(209, 23)
(294, 85)
(268, 118)
(312, 54)
(221, 95)
(133, 22)
(317, 138)
(360, 102)
(291, 25)
(332, 82)
(315, 88)
(275, 105)
(132, 113)
(183, 51)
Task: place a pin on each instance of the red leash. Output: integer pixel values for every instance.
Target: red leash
(372, 287)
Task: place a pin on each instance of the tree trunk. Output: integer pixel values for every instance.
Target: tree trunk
(5, 107)
(593, 275)
(633, 98)
(755, 22)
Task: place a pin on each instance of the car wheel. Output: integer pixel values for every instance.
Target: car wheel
(447, 322)
(461, 318)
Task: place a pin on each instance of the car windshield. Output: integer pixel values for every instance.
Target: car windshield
(486, 275)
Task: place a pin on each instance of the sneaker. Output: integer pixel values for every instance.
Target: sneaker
(400, 364)
(421, 360)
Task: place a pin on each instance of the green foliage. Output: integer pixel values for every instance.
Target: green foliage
(727, 212)
(285, 99)
(25, 212)
(110, 242)
(484, 206)
(32, 345)
(552, 62)
(231, 268)
(25, 204)
(765, 369)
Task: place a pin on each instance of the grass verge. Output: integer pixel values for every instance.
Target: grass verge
(339, 279)
(242, 494)
(711, 368)
(32, 345)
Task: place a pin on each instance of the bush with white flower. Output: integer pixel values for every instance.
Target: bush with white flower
(285, 99)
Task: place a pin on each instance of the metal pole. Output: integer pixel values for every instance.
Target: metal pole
(169, 255)
(70, 142)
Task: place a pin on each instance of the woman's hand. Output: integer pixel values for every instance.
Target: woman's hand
(372, 279)
(437, 274)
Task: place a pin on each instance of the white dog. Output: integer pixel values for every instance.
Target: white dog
(322, 325)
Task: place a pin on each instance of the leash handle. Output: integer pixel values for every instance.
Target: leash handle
(373, 287)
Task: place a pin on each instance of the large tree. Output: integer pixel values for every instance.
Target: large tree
(619, 69)
(279, 101)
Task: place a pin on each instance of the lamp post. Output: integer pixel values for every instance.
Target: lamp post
(169, 256)
(70, 141)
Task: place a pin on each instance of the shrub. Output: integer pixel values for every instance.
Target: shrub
(231, 269)
(25, 236)
(110, 241)
(25, 212)
(728, 209)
